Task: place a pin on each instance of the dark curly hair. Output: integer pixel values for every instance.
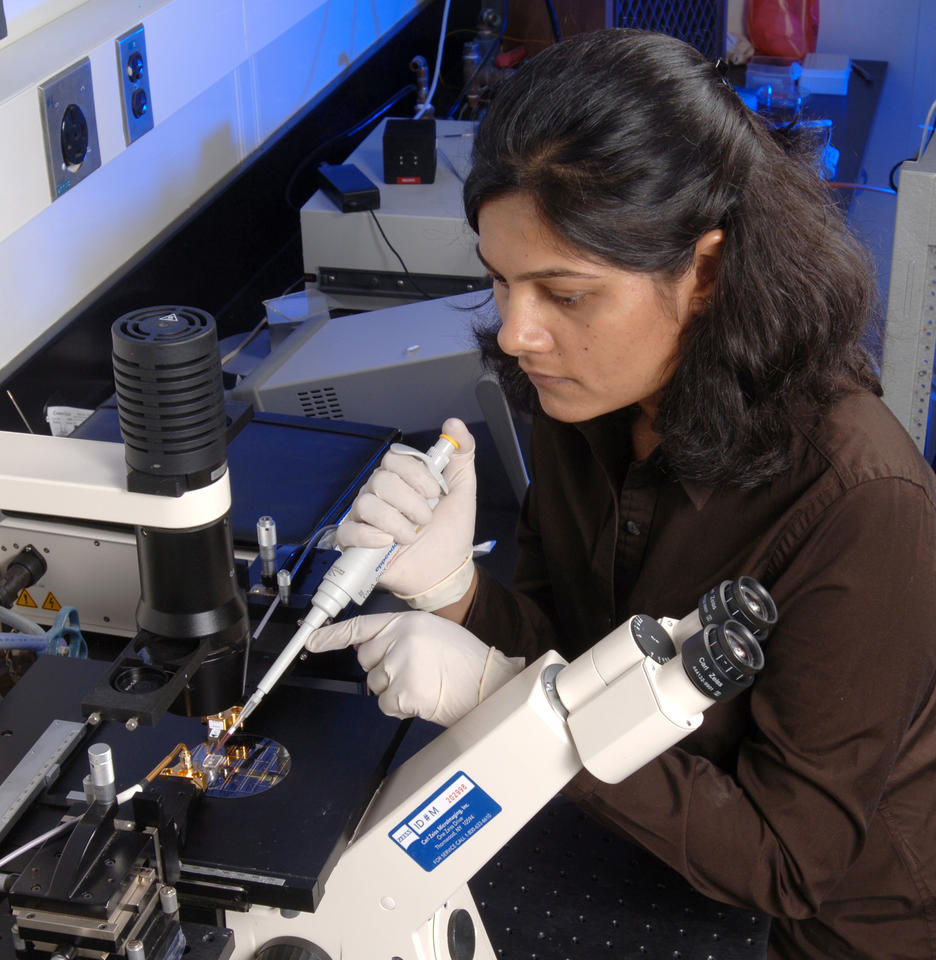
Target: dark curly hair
(632, 146)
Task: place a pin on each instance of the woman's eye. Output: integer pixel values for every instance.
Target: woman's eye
(566, 299)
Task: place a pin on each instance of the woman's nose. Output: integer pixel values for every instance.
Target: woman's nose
(522, 329)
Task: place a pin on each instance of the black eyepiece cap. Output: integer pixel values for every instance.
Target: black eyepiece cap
(743, 600)
(722, 659)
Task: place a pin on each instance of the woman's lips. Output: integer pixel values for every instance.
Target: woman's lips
(544, 379)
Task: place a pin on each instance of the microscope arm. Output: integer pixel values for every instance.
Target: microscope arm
(623, 708)
(87, 480)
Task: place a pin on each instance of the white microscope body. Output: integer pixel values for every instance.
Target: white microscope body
(399, 889)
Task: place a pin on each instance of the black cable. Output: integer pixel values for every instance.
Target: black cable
(554, 20)
(893, 170)
(923, 146)
(393, 250)
(350, 132)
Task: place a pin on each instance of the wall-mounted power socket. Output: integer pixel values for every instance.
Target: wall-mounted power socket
(69, 126)
(134, 84)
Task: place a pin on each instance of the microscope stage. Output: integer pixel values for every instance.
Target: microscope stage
(273, 847)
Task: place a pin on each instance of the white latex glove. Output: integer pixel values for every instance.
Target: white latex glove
(420, 665)
(433, 567)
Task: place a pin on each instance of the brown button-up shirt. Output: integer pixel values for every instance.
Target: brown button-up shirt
(811, 797)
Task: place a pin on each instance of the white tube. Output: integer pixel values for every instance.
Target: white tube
(438, 63)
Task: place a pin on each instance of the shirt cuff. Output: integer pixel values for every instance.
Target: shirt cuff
(498, 669)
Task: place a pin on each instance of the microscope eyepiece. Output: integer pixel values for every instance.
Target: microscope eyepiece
(722, 659)
(742, 649)
(743, 600)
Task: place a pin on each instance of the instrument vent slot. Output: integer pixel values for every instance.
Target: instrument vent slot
(321, 403)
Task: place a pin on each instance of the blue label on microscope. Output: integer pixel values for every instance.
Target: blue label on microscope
(438, 827)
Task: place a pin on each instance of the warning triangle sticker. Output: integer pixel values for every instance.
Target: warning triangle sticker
(50, 603)
(25, 600)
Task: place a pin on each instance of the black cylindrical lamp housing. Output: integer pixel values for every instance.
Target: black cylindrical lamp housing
(170, 398)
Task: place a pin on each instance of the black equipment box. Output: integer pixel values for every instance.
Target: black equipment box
(409, 151)
(348, 188)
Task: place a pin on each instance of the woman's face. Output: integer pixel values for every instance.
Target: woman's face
(592, 338)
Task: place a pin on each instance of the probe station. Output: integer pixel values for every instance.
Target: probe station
(151, 808)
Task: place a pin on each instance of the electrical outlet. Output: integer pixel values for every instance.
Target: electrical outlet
(134, 84)
(69, 125)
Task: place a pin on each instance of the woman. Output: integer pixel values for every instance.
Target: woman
(680, 301)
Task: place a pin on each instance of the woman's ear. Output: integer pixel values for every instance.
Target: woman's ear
(705, 265)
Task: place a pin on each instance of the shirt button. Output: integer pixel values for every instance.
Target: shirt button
(633, 528)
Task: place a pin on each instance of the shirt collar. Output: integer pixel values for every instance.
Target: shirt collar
(698, 493)
(604, 435)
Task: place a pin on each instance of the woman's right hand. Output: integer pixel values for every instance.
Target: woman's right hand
(433, 567)
(420, 665)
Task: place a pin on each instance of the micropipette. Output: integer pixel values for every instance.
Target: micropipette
(352, 576)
